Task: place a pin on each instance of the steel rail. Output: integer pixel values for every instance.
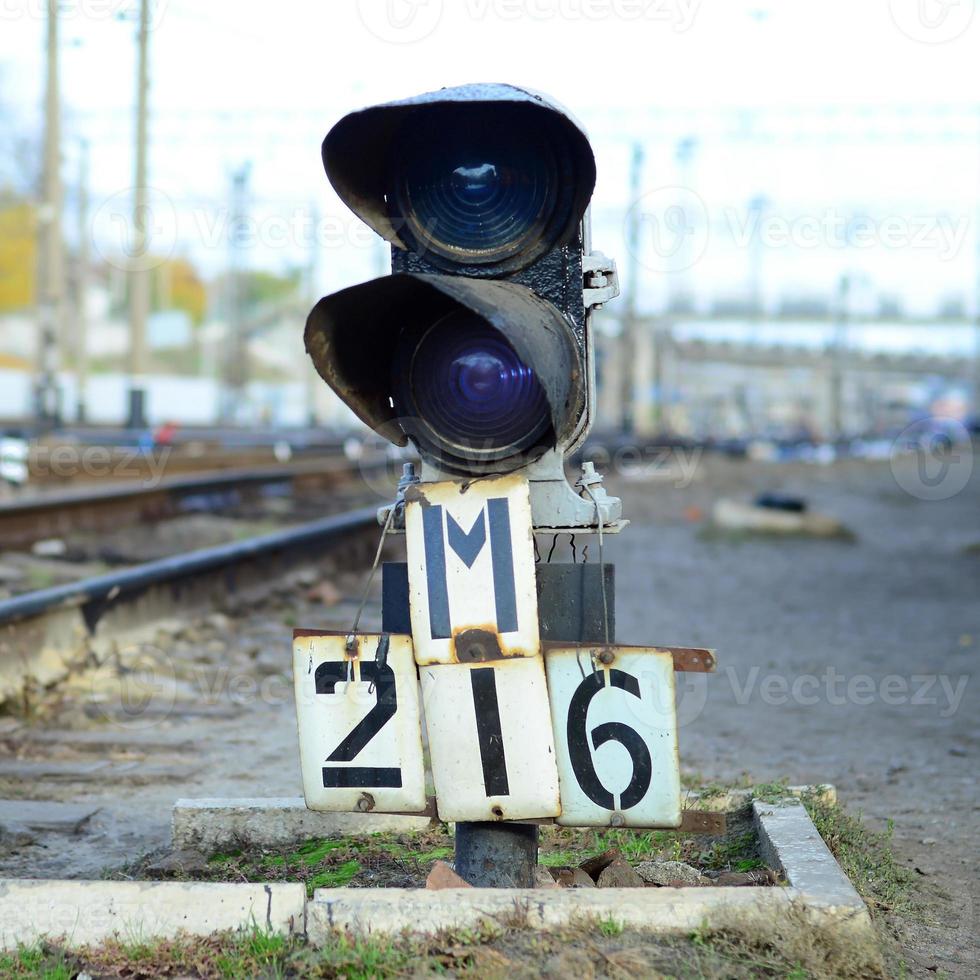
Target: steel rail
(116, 587)
(22, 522)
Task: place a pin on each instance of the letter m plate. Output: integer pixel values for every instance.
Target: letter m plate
(471, 575)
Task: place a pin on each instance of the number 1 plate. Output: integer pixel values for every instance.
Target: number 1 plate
(489, 729)
(359, 732)
(616, 737)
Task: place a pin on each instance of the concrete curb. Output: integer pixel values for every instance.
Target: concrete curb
(792, 844)
(89, 912)
(818, 896)
(209, 825)
(667, 911)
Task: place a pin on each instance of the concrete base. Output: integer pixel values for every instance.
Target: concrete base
(89, 912)
(668, 911)
(817, 897)
(209, 825)
(818, 900)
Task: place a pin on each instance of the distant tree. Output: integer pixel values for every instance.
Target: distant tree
(18, 253)
(179, 287)
(267, 287)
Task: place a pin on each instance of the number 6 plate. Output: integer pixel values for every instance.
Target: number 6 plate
(359, 734)
(615, 737)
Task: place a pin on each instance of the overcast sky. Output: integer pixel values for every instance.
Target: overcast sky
(751, 83)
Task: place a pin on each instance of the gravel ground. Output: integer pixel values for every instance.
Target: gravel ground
(898, 603)
(901, 601)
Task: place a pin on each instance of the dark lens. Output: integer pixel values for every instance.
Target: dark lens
(470, 390)
(476, 191)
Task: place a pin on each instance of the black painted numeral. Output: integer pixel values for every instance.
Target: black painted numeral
(612, 731)
(328, 676)
(488, 732)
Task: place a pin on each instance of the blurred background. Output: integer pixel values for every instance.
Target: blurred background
(791, 191)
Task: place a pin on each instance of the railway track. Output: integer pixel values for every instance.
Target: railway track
(49, 515)
(44, 633)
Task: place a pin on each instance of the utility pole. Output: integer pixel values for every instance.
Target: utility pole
(50, 278)
(308, 373)
(236, 372)
(139, 282)
(81, 285)
(838, 355)
(627, 336)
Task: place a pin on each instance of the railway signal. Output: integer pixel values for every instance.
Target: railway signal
(477, 350)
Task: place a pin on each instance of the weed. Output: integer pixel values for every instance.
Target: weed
(335, 878)
(610, 927)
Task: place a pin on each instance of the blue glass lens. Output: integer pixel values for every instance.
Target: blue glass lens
(476, 192)
(471, 389)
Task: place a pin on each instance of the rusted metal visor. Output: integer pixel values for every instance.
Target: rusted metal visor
(481, 376)
(487, 176)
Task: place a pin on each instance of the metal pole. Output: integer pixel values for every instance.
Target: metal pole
(627, 338)
(236, 372)
(310, 378)
(81, 285)
(50, 279)
(139, 282)
(838, 353)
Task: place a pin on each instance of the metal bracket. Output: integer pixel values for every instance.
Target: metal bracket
(601, 280)
(408, 478)
(557, 507)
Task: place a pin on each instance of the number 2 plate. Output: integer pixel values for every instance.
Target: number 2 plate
(616, 737)
(358, 723)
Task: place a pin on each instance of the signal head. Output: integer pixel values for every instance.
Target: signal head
(481, 376)
(490, 177)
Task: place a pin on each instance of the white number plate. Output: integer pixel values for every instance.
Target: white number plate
(471, 568)
(616, 736)
(358, 720)
(490, 740)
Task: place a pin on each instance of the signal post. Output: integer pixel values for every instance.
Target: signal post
(477, 350)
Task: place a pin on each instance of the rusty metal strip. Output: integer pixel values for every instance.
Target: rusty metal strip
(688, 659)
